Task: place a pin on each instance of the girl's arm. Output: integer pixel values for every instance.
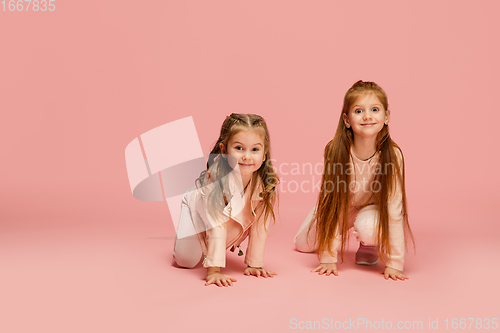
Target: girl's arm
(396, 233)
(394, 265)
(328, 262)
(215, 257)
(395, 262)
(326, 257)
(305, 241)
(216, 247)
(256, 245)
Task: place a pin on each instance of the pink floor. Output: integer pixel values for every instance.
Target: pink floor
(105, 278)
(78, 254)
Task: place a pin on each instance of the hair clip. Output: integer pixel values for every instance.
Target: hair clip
(229, 115)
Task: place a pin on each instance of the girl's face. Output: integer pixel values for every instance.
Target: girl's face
(247, 147)
(366, 116)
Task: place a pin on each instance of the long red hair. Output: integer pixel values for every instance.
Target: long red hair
(332, 205)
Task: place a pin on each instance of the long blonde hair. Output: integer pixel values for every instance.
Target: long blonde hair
(233, 124)
(332, 206)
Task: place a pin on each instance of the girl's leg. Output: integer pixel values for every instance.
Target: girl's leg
(187, 250)
(365, 225)
(365, 228)
(304, 242)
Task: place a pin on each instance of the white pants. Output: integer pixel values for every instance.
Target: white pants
(364, 221)
(187, 250)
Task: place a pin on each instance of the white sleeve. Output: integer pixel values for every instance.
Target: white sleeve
(396, 229)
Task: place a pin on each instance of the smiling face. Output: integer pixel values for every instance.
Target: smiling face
(366, 116)
(247, 147)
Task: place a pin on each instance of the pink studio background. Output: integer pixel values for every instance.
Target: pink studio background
(79, 254)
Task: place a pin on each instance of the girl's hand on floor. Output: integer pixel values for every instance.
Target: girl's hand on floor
(259, 271)
(393, 274)
(219, 279)
(326, 268)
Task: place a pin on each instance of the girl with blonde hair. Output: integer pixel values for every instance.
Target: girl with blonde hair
(233, 199)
